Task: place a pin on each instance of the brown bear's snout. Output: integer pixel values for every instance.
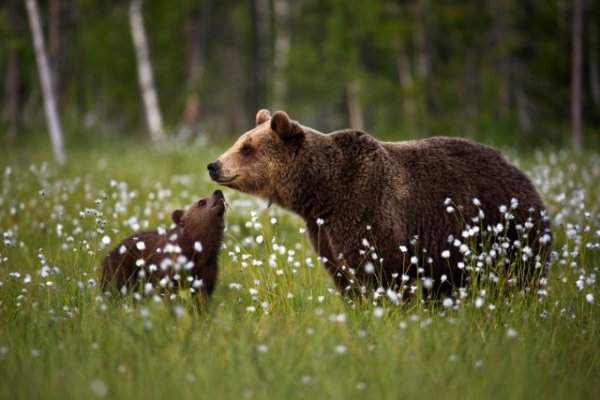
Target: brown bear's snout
(214, 169)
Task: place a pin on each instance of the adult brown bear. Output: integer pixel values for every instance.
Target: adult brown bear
(380, 214)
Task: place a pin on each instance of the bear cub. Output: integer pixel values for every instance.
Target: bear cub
(164, 259)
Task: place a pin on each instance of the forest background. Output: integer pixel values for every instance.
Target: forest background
(508, 72)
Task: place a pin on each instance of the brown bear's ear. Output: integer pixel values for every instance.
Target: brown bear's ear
(177, 217)
(262, 116)
(281, 125)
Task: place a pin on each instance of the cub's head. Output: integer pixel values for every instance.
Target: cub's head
(203, 220)
(260, 158)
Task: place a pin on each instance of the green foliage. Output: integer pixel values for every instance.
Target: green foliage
(494, 70)
(275, 327)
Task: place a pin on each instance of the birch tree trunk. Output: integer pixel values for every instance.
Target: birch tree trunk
(145, 75)
(576, 72)
(56, 134)
(282, 49)
(357, 120)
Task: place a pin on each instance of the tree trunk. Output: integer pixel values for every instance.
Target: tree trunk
(405, 76)
(54, 48)
(357, 120)
(46, 79)
(145, 75)
(235, 72)
(197, 36)
(500, 10)
(576, 75)
(12, 84)
(282, 49)
(423, 48)
(523, 111)
(260, 40)
(594, 63)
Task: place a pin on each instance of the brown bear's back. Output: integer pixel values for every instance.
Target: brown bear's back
(441, 179)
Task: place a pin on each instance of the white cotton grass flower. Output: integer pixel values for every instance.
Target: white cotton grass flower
(99, 388)
(369, 267)
(589, 298)
(446, 254)
(393, 296)
(179, 311)
(448, 302)
(105, 240)
(378, 312)
(341, 349)
(320, 221)
(140, 245)
(479, 302)
(198, 246)
(122, 249)
(512, 333)
(427, 283)
(262, 348)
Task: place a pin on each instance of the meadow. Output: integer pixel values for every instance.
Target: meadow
(276, 327)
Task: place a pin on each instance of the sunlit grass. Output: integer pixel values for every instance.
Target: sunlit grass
(276, 327)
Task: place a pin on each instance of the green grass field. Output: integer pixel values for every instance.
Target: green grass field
(276, 328)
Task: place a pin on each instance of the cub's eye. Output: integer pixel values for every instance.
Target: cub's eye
(202, 203)
(246, 150)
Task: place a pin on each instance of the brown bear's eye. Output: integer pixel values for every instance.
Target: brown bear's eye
(246, 150)
(202, 203)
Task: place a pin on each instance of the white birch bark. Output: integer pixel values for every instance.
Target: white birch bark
(56, 134)
(355, 110)
(145, 75)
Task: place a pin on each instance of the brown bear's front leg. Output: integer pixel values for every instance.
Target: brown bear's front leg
(321, 244)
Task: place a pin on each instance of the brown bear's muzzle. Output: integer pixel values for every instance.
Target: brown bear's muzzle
(214, 170)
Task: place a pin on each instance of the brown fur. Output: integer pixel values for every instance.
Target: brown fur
(202, 222)
(387, 193)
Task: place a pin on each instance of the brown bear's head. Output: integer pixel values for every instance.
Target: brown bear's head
(260, 158)
(204, 219)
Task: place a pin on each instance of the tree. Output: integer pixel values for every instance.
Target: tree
(145, 74)
(12, 84)
(46, 79)
(259, 10)
(55, 47)
(197, 29)
(281, 53)
(576, 74)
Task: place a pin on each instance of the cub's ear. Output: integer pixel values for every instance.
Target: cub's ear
(177, 217)
(262, 116)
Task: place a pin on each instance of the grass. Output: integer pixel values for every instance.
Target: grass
(276, 328)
